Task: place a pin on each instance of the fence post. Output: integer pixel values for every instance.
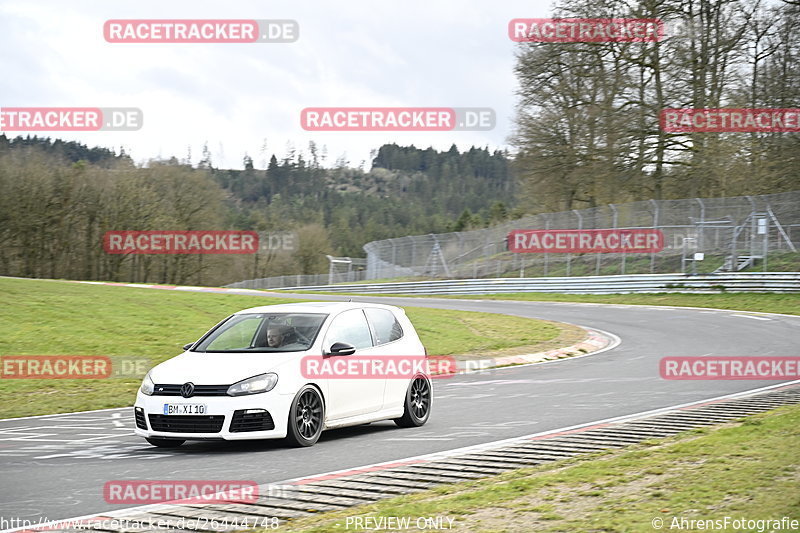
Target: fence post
(752, 234)
(597, 255)
(546, 255)
(614, 225)
(766, 242)
(569, 256)
(655, 226)
(701, 237)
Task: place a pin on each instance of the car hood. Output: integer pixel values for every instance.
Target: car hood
(219, 368)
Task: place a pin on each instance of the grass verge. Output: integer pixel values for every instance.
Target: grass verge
(39, 317)
(788, 304)
(742, 470)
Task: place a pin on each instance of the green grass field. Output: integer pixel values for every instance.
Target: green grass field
(744, 470)
(788, 304)
(761, 302)
(40, 317)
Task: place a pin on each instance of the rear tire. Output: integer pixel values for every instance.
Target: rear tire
(306, 418)
(417, 407)
(164, 443)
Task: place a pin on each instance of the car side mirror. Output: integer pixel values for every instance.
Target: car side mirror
(341, 348)
(187, 346)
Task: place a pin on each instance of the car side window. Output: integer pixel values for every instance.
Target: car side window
(238, 336)
(350, 327)
(384, 324)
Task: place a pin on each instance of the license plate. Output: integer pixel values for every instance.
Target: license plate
(185, 409)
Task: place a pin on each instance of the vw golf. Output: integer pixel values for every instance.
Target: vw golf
(248, 378)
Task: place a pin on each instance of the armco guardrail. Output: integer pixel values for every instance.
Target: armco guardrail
(786, 282)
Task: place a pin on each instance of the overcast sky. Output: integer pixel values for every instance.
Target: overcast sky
(354, 53)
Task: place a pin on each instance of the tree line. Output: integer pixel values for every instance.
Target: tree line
(588, 113)
(57, 200)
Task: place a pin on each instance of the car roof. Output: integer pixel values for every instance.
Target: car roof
(313, 307)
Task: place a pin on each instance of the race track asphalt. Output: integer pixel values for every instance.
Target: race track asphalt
(55, 467)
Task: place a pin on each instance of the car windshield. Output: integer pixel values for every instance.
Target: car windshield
(264, 332)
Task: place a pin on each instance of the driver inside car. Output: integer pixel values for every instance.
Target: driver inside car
(281, 337)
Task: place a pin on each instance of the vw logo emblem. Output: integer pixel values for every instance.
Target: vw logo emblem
(187, 389)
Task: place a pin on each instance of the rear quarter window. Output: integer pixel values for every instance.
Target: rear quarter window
(384, 324)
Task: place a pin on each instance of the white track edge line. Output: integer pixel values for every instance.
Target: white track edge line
(65, 414)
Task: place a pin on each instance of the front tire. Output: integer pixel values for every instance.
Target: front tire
(164, 443)
(306, 418)
(417, 407)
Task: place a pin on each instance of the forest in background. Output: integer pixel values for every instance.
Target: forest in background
(57, 200)
(586, 134)
(588, 113)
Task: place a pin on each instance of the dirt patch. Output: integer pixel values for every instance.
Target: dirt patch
(552, 507)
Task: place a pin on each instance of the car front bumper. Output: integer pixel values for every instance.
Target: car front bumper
(149, 411)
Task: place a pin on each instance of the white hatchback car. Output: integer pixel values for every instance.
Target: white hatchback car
(250, 377)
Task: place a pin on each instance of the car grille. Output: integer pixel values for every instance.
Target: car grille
(260, 421)
(199, 390)
(138, 413)
(187, 423)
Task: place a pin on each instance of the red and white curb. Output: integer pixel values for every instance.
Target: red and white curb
(594, 342)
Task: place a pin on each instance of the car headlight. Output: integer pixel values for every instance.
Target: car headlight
(147, 385)
(254, 385)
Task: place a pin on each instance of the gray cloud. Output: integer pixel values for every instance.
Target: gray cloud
(355, 53)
